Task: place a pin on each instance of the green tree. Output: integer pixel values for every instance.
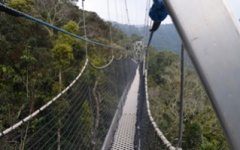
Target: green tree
(63, 55)
(22, 5)
(164, 90)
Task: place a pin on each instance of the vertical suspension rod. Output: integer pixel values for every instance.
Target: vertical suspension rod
(110, 28)
(180, 132)
(84, 28)
(127, 15)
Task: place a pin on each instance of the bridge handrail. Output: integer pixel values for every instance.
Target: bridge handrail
(102, 67)
(155, 126)
(117, 59)
(29, 117)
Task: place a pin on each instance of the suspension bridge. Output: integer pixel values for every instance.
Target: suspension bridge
(107, 107)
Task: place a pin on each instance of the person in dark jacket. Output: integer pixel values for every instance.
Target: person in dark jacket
(157, 13)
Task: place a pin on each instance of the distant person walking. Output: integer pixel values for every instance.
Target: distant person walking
(157, 13)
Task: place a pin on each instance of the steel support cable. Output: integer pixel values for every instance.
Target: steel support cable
(89, 90)
(128, 20)
(77, 127)
(147, 52)
(110, 28)
(180, 134)
(115, 2)
(102, 67)
(146, 18)
(76, 140)
(52, 136)
(21, 14)
(127, 13)
(107, 92)
(104, 89)
(84, 28)
(50, 121)
(70, 132)
(146, 34)
(71, 124)
(122, 19)
(18, 136)
(64, 108)
(116, 9)
(42, 137)
(44, 106)
(45, 133)
(32, 136)
(115, 78)
(52, 110)
(74, 111)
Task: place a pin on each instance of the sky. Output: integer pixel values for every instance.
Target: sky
(136, 10)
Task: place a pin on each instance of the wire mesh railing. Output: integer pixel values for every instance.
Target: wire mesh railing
(148, 134)
(81, 117)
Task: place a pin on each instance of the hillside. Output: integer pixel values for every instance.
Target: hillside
(202, 130)
(165, 38)
(37, 63)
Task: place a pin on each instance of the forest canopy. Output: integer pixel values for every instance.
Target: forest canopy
(202, 129)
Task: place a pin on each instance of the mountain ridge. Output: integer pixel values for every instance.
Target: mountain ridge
(165, 38)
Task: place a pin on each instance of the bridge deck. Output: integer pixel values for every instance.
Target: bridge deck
(124, 136)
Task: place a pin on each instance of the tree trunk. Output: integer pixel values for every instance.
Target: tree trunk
(59, 118)
(97, 104)
(59, 134)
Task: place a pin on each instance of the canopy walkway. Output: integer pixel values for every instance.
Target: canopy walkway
(107, 107)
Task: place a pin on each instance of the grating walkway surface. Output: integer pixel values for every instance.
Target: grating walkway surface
(124, 136)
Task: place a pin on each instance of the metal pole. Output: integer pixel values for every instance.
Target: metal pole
(211, 36)
(180, 133)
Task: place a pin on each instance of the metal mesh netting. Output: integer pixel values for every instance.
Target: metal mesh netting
(81, 117)
(146, 137)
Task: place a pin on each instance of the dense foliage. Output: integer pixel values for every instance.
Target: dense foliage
(36, 62)
(201, 126)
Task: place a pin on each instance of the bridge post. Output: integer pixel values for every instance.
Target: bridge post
(212, 38)
(138, 51)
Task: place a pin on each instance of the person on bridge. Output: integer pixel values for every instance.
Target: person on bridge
(157, 13)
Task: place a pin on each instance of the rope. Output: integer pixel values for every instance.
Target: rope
(117, 59)
(157, 130)
(180, 134)
(15, 12)
(102, 67)
(44, 106)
